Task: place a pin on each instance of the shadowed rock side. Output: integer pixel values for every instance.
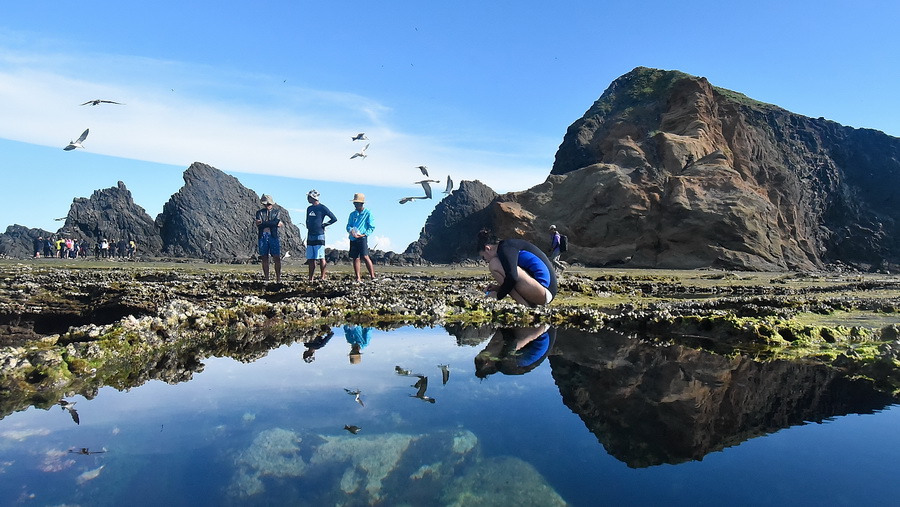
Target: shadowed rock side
(18, 241)
(211, 217)
(111, 214)
(450, 231)
(668, 171)
(650, 405)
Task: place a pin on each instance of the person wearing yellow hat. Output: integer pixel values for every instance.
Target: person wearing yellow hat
(359, 226)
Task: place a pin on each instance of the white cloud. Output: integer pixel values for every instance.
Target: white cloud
(177, 114)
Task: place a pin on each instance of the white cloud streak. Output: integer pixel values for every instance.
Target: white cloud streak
(177, 114)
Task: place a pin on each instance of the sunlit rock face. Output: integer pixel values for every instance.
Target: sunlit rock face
(666, 170)
(649, 404)
(212, 215)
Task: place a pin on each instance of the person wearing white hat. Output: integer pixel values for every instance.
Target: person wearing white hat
(315, 227)
(268, 220)
(359, 226)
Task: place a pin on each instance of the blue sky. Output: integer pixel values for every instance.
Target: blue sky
(271, 92)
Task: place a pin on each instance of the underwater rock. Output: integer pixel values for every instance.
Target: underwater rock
(273, 453)
(501, 482)
(371, 459)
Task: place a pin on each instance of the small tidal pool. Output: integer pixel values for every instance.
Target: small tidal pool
(486, 416)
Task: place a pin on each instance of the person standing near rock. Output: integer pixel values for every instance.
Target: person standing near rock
(268, 220)
(555, 249)
(360, 225)
(315, 227)
(38, 246)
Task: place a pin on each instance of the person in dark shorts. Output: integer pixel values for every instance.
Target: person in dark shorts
(268, 221)
(521, 269)
(315, 226)
(359, 226)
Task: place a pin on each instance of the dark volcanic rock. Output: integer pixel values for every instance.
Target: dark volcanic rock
(18, 241)
(112, 214)
(668, 171)
(211, 217)
(450, 231)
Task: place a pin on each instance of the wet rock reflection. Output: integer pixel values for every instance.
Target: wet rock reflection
(650, 404)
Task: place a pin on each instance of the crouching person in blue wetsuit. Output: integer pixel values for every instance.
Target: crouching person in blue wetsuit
(521, 269)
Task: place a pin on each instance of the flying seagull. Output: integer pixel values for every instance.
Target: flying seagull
(361, 153)
(60, 219)
(360, 137)
(70, 406)
(97, 102)
(424, 169)
(445, 372)
(427, 187)
(352, 428)
(449, 186)
(77, 144)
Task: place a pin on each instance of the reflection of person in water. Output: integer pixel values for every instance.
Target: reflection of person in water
(515, 351)
(309, 355)
(358, 337)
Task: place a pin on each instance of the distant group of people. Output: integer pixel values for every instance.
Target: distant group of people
(359, 226)
(74, 248)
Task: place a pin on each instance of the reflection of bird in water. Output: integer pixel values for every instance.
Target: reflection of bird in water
(402, 371)
(70, 406)
(352, 429)
(361, 153)
(357, 393)
(445, 372)
(422, 386)
(449, 186)
(360, 137)
(97, 102)
(77, 144)
(85, 451)
(424, 169)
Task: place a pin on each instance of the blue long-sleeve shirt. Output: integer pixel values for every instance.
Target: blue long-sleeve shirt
(363, 222)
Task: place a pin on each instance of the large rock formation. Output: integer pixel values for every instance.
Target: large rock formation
(211, 217)
(450, 231)
(668, 171)
(112, 214)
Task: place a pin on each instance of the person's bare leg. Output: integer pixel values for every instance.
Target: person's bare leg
(370, 266)
(356, 268)
(527, 290)
(322, 269)
(312, 267)
(265, 266)
(277, 268)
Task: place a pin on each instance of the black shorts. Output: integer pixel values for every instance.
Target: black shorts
(359, 247)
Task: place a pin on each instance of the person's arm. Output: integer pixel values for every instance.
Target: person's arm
(509, 259)
(330, 216)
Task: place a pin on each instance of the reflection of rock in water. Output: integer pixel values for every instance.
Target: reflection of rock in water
(650, 404)
(468, 334)
(501, 482)
(443, 467)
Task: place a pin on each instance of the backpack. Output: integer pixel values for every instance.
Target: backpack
(563, 243)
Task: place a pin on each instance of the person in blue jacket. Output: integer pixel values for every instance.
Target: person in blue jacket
(268, 221)
(360, 225)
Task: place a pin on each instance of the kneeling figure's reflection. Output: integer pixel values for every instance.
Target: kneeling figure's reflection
(515, 351)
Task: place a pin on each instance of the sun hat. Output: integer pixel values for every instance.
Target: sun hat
(266, 199)
(313, 194)
(359, 197)
(552, 227)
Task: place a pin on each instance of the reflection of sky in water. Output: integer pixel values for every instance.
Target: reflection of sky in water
(176, 444)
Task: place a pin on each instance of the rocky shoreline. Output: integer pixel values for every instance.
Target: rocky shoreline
(70, 329)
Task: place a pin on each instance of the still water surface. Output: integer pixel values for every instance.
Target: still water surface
(569, 418)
